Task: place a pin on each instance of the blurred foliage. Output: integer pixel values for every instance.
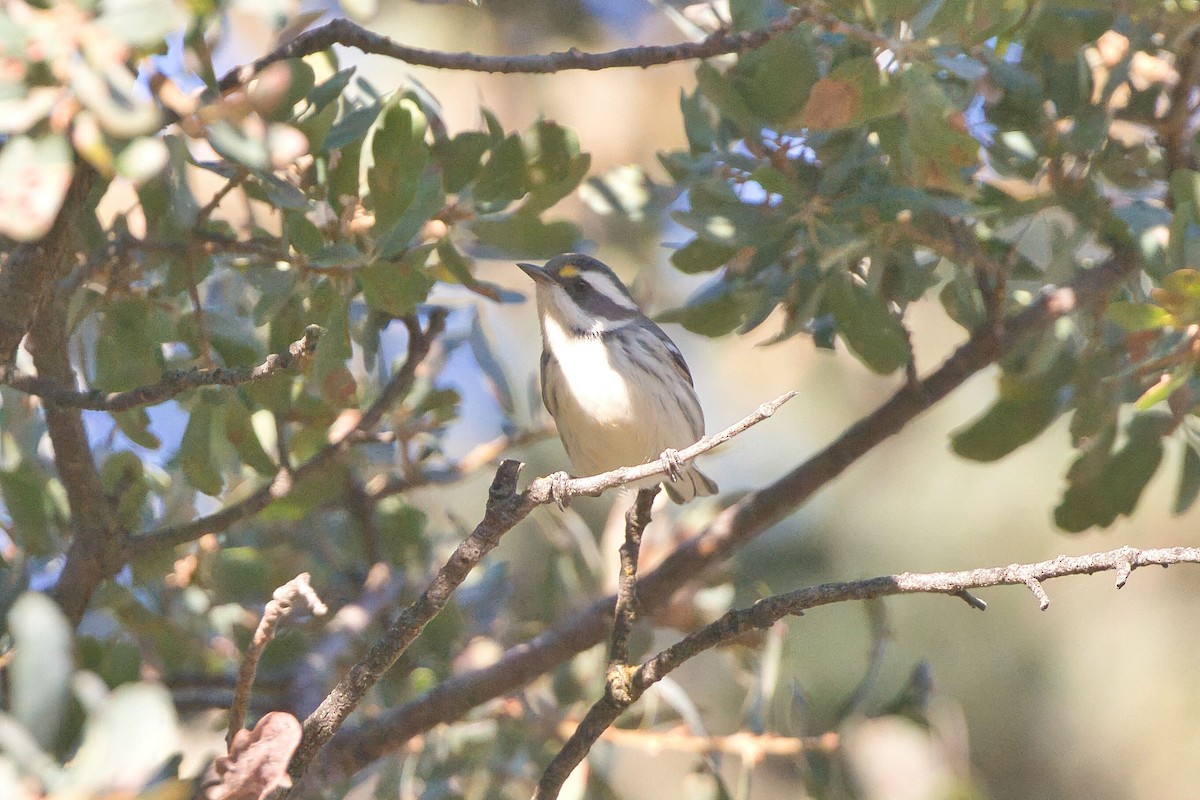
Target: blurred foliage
(973, 153)
(964, 153)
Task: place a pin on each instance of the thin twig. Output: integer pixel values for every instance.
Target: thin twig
(397, 387)
(349, 34)
(283, 602)
(480, 456)
(769, 610)
(750, 747)
(553, 488)
(626, 608)
(353, 749)
(210, 207)
(172, 384)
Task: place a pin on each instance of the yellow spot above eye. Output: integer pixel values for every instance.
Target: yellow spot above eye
(568, 272)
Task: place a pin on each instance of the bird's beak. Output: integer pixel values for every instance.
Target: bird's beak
(539, 274)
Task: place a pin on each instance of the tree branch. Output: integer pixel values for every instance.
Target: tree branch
(349, 34)
(282, 604)
(505, 508)
(26, 298)
(551, 488)
(172, 383)
(626, 608)
(768, 611)
(754, 513)
(419, 344)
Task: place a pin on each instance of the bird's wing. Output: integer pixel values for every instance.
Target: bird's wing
(545, 374)
(676, 356)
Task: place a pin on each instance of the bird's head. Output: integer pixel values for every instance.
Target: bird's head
(582, 294)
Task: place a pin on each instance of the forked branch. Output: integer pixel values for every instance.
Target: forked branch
(505, 508)
(769, 610)
(172, 384)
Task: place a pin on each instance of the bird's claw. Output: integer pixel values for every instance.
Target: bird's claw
(558, 490)
(671, 463)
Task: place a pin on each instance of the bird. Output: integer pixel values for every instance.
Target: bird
(617, 387)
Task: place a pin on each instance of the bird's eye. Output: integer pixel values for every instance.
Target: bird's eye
(576, 288)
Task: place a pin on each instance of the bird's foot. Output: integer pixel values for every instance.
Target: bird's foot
(558, 490)
(671, 464)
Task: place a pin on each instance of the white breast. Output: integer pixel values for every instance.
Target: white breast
(588, 376)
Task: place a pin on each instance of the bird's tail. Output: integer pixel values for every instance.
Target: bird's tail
(692, 482)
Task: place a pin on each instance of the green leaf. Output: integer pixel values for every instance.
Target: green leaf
(1115, 489)
(759, 76)
(400, 158)
(461, 158)
(697, 122)
(339, 255)
(1189, 478)
(502, 179)
(1185, 188)
(1026, 406)
(142, 23)
(27, 499)
(233, 143)
(701, 255)
(523, 235)
(713, 311)
(230, 335)
(1139, 316)
(351, 128)
(41, 667)
(1163, 389)
(239, 429)
(300, 233)
(962, 300)
(1060, 31)
(129, 345)
(427, 202)
(127, 740)
(394, 287)
(198, 451)
(330, 90)
(123, 478)
(142, 159)
(135, 424)
(34, 176)
(748, 15)
(329, 373)
(719, 91)
(308, 494)
(454, 267)
(275, 91)
(968, 21)
(866, 324)
(939, 151)
(554, 166)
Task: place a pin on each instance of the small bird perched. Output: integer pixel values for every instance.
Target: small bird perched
(617, 386)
